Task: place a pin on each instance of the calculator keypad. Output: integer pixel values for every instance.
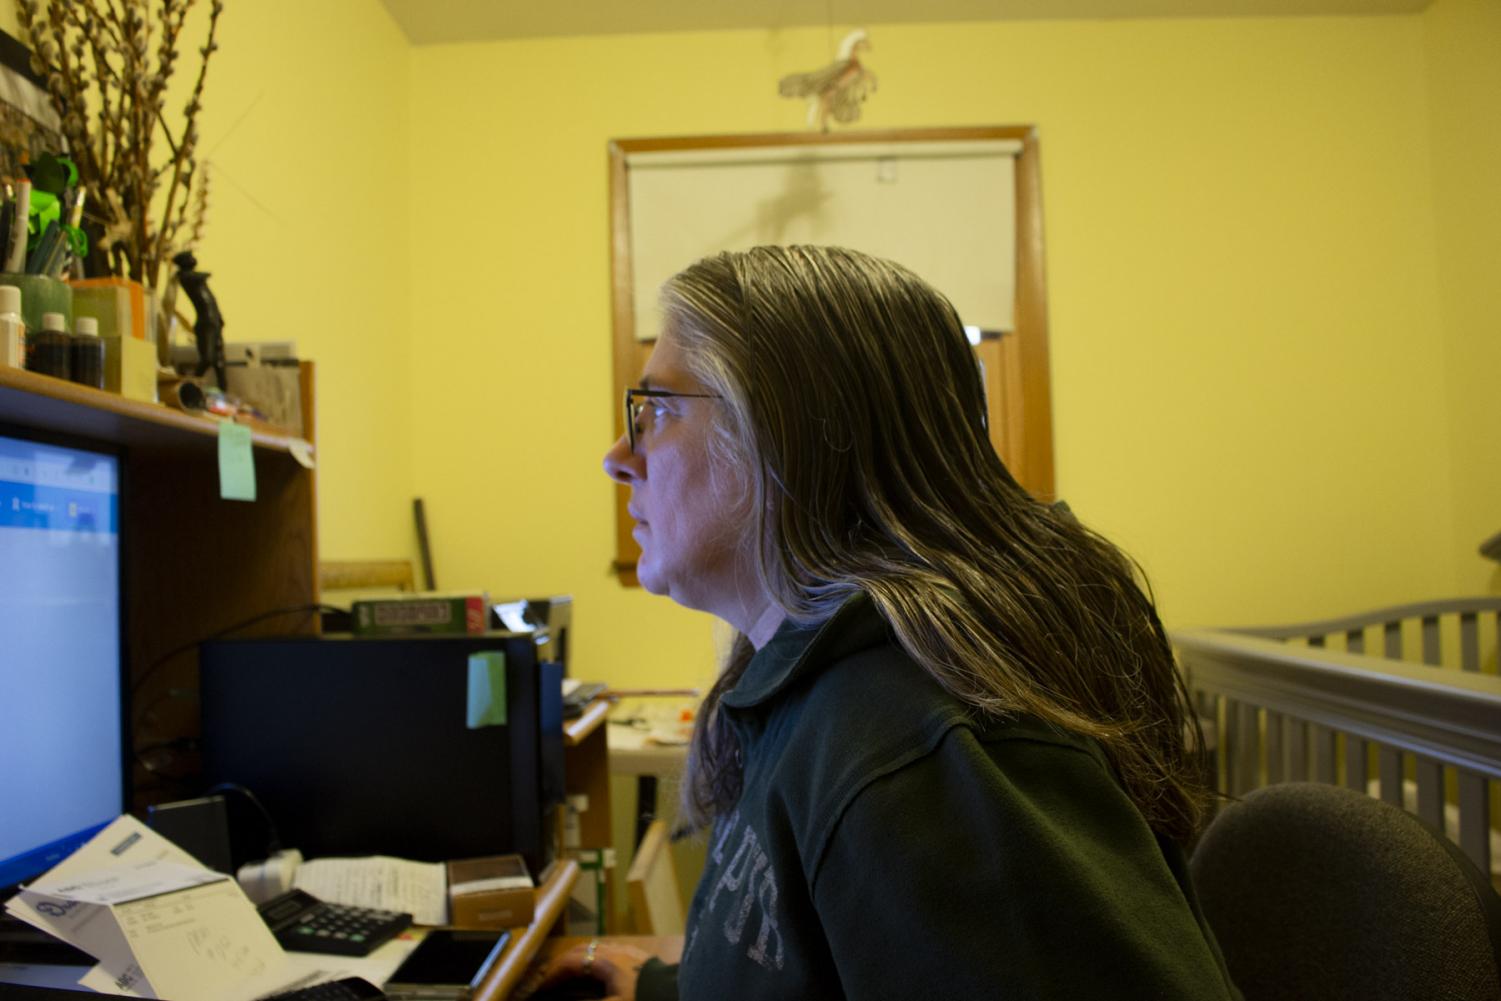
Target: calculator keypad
(304, 923)
(348, 931)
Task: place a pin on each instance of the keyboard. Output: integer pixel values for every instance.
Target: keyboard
(348, 989)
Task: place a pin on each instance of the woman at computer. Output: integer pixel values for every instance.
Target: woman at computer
(946, 755)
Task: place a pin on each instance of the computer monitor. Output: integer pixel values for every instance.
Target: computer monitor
(64, 743)
(425, 747)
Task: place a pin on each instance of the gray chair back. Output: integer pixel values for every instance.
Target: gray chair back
(1318, 892)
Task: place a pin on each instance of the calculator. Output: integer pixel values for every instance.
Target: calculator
(303, 923)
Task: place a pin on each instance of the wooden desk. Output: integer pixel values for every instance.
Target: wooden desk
(586, 763)
(635, 752)
(527, 940)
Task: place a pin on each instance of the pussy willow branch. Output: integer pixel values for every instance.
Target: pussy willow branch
(108, 65)
(182, 160)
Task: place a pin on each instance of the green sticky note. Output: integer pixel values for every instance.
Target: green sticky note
(236, 462)
(487, 689)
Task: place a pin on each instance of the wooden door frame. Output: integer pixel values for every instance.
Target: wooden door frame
(1017, 368)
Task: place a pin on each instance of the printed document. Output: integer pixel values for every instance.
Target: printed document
(158, 922)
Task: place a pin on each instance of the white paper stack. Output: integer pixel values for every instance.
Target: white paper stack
(159, 923)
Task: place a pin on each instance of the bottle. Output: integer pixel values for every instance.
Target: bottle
(12, 328)
(87, 352)
(52, 348)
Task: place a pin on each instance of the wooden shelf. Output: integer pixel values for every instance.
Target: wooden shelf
(194, 564)
(43, 401)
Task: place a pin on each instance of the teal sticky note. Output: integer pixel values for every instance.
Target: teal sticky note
(487, 689)
(236, 462)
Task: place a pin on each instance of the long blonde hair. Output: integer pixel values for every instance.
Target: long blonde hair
(853, 404)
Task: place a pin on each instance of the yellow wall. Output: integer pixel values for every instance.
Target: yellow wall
(1464, 58)
(308, 132)
(1271, 252)
(1249, 370)
(309, 239)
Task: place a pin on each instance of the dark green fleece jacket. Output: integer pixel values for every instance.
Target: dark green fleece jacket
(887, 845)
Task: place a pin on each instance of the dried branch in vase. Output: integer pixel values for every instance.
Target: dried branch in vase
(107, 64)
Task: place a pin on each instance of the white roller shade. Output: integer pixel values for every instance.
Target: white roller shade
(946, 210)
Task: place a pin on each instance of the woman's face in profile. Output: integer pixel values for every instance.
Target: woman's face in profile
(688, 517)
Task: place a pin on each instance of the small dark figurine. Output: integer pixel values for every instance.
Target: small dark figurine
(208, 327)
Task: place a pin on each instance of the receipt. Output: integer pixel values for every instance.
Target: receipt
(160, 924)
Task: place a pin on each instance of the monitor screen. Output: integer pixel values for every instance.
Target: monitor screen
(62, 721)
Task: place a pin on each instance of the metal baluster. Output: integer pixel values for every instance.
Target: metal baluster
(1323, 753)
(1297, 750)
(1469, 641)
(1475, 818)
(1431, 793)
(1392, 631)
(1245, 750)
(1430, 640)
(1390, 767)
(1355, 762)
(1276, 763)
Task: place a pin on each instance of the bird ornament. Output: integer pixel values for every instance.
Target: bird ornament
(837, 90)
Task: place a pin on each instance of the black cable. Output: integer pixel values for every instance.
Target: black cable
(273, 836)
(157, 664)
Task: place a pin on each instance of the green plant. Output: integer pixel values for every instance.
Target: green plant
(107, 65)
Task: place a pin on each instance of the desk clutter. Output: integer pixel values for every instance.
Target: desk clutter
(158, 923)
(445, 751)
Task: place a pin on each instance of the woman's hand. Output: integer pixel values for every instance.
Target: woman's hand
(616, 966)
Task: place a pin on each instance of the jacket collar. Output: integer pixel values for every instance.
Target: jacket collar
(796, 651)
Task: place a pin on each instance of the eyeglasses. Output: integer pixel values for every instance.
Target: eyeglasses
(636, 401)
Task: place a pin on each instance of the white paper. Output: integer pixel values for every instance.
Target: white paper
(301, 969)
(379, 881)
(125, 846)
(513, 616)
(207, 941)
(128, 984)
(160, 924)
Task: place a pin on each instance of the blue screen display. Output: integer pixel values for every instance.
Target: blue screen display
(61, 740)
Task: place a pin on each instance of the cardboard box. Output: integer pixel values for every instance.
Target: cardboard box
(274, 390)
(435, 614)
(491, 892)
(130, 368)
(121, 306)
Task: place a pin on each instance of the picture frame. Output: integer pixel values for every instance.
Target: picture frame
(29, 125)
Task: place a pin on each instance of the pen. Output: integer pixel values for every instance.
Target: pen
(41, 254)
(57, 252)
(16, 259)
(5, 217)
(74, 242)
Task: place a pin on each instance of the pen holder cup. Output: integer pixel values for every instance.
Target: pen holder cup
(124, 308)
(41, 294)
